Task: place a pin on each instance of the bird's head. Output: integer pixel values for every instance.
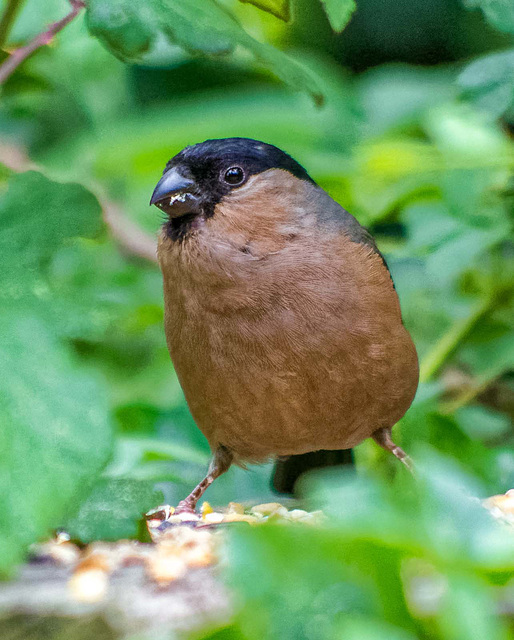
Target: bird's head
(200, 177)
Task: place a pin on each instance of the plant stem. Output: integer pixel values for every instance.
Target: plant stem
(129, 236)
(468, 395)
(20, 55)
(7, 19)
(449, 342)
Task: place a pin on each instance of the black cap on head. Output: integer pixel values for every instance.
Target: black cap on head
(197, 178)
(252, 155)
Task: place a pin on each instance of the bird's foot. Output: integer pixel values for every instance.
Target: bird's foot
(159, 514)
(383, 438)
(184, 506)
(165, 513)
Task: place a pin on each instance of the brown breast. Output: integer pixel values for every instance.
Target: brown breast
(286, 335)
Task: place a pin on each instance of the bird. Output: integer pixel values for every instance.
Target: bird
(281, 316)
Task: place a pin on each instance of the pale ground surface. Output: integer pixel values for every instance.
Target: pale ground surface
(130, 590)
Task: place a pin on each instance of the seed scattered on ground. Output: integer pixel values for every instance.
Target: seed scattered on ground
(183, 542)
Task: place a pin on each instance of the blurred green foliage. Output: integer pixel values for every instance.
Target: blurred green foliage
(93, 420)
(395, 561)
(48, 400)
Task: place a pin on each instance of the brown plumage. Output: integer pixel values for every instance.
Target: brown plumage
(281, 316)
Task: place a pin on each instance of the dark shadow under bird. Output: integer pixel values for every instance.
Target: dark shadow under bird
(281, 316)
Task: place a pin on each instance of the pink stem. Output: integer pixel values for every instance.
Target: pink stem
(20, 55)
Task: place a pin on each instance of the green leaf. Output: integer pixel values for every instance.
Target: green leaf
(160, 449)
(429, 225)
(130, 28)
(458, 253)
(113, 510)
(54, 437)
(481, 423)
(339, 12)
(36, 217)
(468, 611)
(366, 629)
(278, 8)
(499, 13)
(32, 16)
(489, 82)
(491, 358)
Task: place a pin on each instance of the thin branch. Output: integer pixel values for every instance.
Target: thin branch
(8, 18)
(129, 236)
(468, 395)
(20, 55)
(450, 341)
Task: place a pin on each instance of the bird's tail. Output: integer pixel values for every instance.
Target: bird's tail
(287, 471)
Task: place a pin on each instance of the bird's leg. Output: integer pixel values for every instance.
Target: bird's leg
(383, 438)
(220, 463)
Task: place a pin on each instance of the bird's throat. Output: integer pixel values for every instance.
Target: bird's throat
(178, 229)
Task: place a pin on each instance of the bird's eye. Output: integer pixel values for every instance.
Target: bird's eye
(234, 176)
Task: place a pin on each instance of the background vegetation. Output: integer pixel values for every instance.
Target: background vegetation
(406, 118)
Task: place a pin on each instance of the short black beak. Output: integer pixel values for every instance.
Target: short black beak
(171, 184)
